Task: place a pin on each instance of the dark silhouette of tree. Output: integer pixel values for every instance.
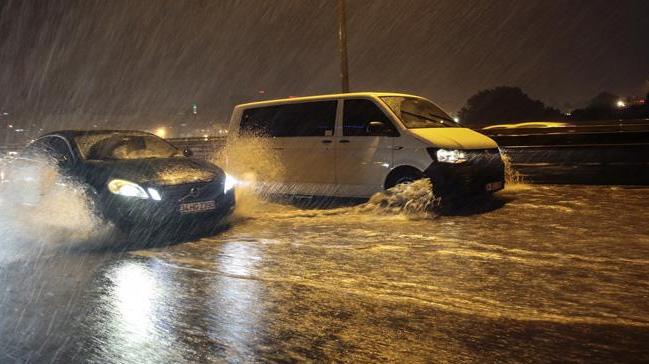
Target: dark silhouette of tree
(504, 104)
(603, 100)
(600, 107)
(604, 107)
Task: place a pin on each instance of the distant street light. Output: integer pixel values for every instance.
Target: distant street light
(342, 45)
(161, 132)
(620, 104)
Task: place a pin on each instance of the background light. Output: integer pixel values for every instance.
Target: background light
(161, 132)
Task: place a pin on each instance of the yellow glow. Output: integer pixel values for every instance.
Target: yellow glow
(455, 138)
(621, 103)
(161, 132)
(531, 124)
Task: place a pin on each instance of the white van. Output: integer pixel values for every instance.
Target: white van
(357, 144)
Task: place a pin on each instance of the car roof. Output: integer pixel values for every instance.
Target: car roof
(71, 134)
(323, 97)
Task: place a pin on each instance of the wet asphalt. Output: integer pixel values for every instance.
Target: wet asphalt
(538, 274)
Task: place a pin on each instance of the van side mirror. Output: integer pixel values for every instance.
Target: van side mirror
(377, 128)
(188, 152)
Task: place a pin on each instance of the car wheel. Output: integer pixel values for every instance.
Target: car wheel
(404, 177)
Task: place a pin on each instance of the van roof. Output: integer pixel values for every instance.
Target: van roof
(321, 97)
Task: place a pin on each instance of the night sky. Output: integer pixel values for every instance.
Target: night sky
(154, 58)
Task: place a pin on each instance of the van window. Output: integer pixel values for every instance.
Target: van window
(358, 113)
(419, 113)
(290, 120)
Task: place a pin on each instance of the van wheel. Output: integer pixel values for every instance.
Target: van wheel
(403, 176)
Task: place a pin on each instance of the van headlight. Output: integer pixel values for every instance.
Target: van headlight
(229, 183)
(127, 188)
(450, 156)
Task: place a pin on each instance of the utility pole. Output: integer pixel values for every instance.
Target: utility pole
(342, 45)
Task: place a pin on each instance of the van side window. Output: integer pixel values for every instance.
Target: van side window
(358, 113)
(290, 120)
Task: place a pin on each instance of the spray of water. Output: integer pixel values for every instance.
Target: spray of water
(251, 160)
(413, 200)
(514, 181)
(42, 210)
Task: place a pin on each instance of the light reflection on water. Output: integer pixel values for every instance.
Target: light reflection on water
(134, 295)
(234, 309)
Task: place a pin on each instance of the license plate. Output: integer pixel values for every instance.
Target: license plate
(194, 207)
(493, 186)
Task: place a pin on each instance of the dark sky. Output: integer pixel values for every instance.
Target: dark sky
(157, 57)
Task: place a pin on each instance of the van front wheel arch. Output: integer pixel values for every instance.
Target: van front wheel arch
(402, 174)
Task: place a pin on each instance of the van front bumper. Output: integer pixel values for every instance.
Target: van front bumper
(483, 172)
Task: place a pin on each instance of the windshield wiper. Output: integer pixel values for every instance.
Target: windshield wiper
(429, 119)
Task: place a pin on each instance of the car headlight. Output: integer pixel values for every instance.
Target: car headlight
(450, 156)
(229, 183)
(126, 188)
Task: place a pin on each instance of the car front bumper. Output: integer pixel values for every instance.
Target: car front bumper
(128, 213)
(483, 172)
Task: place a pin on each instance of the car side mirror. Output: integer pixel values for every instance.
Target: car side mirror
(188, 152)
(377, 128)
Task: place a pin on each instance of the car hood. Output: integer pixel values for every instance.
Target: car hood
(159, 171)
(455, 138)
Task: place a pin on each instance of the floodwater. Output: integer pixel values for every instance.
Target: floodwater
(538, 274)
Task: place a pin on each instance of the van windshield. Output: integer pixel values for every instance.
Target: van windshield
(419, 113)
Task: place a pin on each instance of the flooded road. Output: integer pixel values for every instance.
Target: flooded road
(540, 274)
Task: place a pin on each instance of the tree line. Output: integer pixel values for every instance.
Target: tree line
(505, 104)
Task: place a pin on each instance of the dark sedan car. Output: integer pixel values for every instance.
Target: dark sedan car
(137, 179)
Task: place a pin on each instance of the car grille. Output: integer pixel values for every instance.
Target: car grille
(192, 192)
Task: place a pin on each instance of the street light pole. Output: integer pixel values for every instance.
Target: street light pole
(342, 45)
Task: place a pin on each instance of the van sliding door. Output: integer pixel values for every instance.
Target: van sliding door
(363, 158)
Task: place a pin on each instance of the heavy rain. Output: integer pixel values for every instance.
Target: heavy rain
(324, 181)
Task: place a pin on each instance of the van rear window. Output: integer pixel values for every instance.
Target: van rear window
(290, 120)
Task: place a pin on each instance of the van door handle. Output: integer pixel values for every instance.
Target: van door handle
(344, 141)
(397, 147)
(278, 148)
(326, 141)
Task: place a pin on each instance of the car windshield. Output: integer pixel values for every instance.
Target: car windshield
(124, 146)
(419, 113)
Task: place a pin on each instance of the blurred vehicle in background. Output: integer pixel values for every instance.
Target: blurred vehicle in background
(134, 179)
(357, 144)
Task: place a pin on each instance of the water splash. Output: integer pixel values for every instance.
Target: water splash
(413, 200)
(251, 159)
(512, 176)
(514, 180)
(41, 209)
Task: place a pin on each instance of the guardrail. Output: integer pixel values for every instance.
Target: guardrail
(6, 149)
(602, 153)
(203, 148)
